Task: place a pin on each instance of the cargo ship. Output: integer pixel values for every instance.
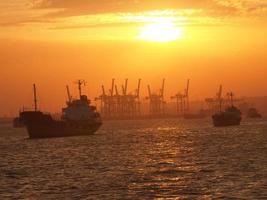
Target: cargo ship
(230, 117)
(253, 113)
(78, 118)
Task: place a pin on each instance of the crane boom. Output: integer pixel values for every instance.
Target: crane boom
(187, 87)
(112, 87)
(126, 87)
(149, 91)
(162, 88)
(116, 90)
(138, 88)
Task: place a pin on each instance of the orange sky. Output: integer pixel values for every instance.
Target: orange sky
(54, 42)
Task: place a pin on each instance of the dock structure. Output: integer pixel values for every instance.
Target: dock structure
(156, 101)
(218, 103)
(182, 100)
(215, 104)
(120, 104)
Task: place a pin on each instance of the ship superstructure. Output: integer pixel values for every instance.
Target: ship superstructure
(230, 117)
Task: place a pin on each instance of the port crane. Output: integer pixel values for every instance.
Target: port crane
(156, 101)
(120, 104)
(182, 100)
(219, 102)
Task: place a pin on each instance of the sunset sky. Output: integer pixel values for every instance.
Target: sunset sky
(54, 42)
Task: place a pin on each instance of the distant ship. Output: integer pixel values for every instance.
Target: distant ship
(230, 117)
(253, 113)
(78, 118)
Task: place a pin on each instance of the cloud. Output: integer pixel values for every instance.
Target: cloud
(246, 7)
(78, 7)
(213, 7)
(46, 11)
(122, 5)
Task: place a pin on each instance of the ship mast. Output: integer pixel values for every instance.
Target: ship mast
(79, 83)
(35, 98)
(220, 97)
(231, 98)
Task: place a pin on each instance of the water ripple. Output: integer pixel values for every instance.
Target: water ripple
(153, 159)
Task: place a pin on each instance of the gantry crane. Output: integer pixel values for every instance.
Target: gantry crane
(182, 100)
(120, 104)
(156, 101)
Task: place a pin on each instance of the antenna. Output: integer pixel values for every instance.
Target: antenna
(68, 92)
(35, 98)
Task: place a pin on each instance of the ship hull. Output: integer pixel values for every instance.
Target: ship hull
(220, 121)
(43, 126)
(230, 117)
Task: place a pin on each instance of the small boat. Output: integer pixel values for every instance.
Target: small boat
(78, 118)
(230, 117)
(253, 113)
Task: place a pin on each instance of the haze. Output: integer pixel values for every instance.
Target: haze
(54, 42)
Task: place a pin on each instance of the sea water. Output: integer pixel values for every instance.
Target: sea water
(142, 159)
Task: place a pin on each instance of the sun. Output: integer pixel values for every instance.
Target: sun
(161, 31)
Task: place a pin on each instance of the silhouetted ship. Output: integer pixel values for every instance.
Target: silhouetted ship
(253, 113)
(78, 118)
(230, 117)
